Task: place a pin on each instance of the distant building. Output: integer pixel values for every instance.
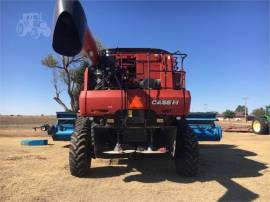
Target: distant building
(239, 116)
(220, 117)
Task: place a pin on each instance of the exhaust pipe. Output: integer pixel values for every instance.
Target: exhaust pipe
(71, 34)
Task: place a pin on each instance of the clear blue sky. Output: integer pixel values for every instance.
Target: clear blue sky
(227, 43)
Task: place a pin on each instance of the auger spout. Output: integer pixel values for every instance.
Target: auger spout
(71, 34)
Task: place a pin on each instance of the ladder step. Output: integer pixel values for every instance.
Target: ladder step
(129, 151)
(151, 152)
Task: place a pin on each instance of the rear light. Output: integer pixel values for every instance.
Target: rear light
(110, 121)
(130, 113)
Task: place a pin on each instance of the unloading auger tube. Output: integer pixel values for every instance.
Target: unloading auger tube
(71, 34)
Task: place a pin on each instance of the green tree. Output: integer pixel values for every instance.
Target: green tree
(241, 108)
(63, 72)
(68, 75)
(229, 114)
(258, 112)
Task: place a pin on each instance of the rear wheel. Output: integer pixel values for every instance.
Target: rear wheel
(260, 126)
(80, 148)
(186, 152)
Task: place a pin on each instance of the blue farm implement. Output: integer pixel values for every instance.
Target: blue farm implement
(34, 142)
(64, 127)
(202, 124)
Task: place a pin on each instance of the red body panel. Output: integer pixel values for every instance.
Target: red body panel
(107, 102)
(168, 100)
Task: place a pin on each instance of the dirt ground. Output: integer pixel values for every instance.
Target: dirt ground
(235, 169)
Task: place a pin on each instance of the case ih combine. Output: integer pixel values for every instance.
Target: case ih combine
(133, 100)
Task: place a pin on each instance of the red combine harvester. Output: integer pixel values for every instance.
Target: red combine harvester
(133, 99)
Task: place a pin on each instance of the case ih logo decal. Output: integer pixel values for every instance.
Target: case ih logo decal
(165, 102)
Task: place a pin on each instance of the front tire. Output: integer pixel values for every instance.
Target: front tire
(80, 148)
(186, 152)
(260, 126)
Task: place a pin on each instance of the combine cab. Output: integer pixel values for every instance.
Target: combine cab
(134, 100)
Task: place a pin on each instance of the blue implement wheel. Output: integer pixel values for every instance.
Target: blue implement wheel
(34, 142)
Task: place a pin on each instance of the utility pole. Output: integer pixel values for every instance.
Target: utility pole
(245, 100)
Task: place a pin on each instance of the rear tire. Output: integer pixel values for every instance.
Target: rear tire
(80, 148)
(260, 126)
(186, 152)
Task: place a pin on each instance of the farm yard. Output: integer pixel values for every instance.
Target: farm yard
(147, 92)
(235, 169)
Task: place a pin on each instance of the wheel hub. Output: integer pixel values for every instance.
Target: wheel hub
(257, 126)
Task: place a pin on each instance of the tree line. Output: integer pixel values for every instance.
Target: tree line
(241, 110)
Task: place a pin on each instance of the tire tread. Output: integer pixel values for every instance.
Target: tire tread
(264, 126)
(80, 148)
(187, 152)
